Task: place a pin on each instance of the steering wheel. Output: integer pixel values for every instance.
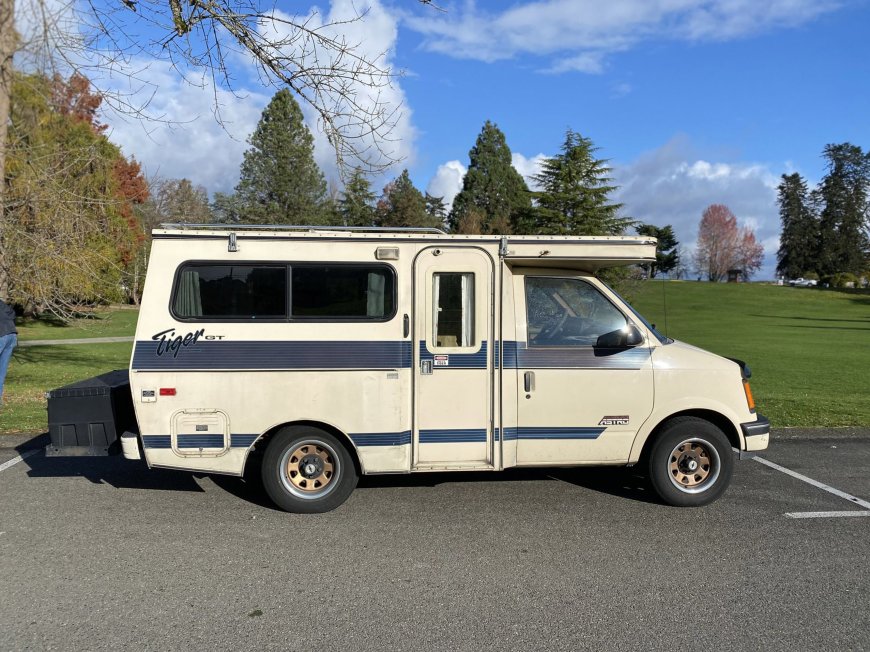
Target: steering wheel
(550, 332)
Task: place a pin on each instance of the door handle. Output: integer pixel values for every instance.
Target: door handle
(529, 381)
(406, 326)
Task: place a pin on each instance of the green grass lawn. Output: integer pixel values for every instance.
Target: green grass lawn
(809, 349)
(105, 322)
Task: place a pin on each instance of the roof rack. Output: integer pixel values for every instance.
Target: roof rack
(302, 227)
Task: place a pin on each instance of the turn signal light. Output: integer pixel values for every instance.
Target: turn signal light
(749, 400)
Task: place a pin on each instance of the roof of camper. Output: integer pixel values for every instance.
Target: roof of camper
(539, 250)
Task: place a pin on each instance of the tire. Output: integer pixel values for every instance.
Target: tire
(690, 463)
(307, 470)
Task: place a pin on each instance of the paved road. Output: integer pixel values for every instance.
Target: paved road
(103, 554)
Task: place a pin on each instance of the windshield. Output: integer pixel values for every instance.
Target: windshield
(661, 338)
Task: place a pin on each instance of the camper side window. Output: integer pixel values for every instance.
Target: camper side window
(453, 295)
(231, 292)
(568, 312)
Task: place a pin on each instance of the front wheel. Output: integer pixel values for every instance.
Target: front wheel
(307, 470)
(690, 463)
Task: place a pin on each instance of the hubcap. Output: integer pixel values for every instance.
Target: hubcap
(309, 469)
(693, 465)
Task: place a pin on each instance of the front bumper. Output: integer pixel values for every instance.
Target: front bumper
(756, 433)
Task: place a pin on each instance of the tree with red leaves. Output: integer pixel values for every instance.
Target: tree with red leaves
(723, 246)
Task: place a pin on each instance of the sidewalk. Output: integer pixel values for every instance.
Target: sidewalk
(83, 340)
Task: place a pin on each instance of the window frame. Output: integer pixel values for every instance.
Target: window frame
(579, 279)
(432, 342)
(288, 277)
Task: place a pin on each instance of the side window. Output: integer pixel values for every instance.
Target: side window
(342, 292)
(453, 309)
(568, 312)
(231, 292)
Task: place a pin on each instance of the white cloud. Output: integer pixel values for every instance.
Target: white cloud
(579, 33)
(188, 141)
(447, 182)
(372, 32)
(672, 185)
(528, 167)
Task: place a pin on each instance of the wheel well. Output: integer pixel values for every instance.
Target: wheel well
(255, 454)
(717, 419)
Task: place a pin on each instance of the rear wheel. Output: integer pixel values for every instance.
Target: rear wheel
(690, 463)
(308, 470)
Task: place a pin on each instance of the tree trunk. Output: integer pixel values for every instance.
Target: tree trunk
(8, 45)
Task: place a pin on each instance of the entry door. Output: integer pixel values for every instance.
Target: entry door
(576, 402)
(453, 389)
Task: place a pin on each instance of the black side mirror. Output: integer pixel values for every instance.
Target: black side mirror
(628, 335)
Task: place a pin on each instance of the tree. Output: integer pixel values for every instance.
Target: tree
(280, 182)
(491, 186)
(574, 196)
(179, 201)
(356, 206)
(843, 221)
(667, 255)
(402, 205)
(436, 209)
(722, 246)
(69, 204)
(798, 242)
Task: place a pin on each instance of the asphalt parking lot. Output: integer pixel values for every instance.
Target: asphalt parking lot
(101, 553)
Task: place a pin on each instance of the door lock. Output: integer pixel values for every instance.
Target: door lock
(426, 367)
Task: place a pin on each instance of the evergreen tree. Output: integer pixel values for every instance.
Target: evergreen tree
(667, 255)
(843, 240)
(574, 196)
(280, 182)
(402, 205)
(356, 206)
(800, 228)
(436, 209)
(491, 186)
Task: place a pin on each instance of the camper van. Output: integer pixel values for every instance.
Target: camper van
(312, 356)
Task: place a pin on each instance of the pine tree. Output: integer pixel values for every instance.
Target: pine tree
(574, 196)
(799, 239)
(402, 205)
(491, 186)
(280, 182)
(843, 241)
(436, 209)
(667, 255)
(356, 206)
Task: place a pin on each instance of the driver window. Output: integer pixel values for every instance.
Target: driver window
(568, 312)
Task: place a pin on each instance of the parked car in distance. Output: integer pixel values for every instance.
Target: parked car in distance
(803, 283)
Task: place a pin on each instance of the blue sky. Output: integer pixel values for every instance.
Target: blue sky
(694, 102)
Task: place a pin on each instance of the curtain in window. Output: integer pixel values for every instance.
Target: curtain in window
(376, 294)
(467, 309)
(188, 303)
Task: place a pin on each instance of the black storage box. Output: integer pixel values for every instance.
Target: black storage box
(89, 417)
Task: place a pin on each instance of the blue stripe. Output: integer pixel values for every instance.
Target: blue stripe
(579, 357)
(476, 360)
(554, 433)
(197, 441)
(382, 438)
(457, 436)
(225, 354)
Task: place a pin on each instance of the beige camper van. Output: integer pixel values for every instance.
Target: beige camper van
(318, 355)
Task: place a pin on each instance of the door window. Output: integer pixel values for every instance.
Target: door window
(454, 309)
(568, 312)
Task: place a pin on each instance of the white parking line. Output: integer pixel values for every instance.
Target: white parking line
(842, 494)
(862, 512)
(20, 458)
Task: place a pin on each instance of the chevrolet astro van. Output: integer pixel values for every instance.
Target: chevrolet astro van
(314, 355)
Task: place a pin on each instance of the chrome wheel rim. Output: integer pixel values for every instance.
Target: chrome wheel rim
(309, 469)
(693, 465)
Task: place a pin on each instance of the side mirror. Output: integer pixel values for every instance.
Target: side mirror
(628, 335)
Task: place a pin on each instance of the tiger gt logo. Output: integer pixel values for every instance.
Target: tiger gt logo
(614, 421)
